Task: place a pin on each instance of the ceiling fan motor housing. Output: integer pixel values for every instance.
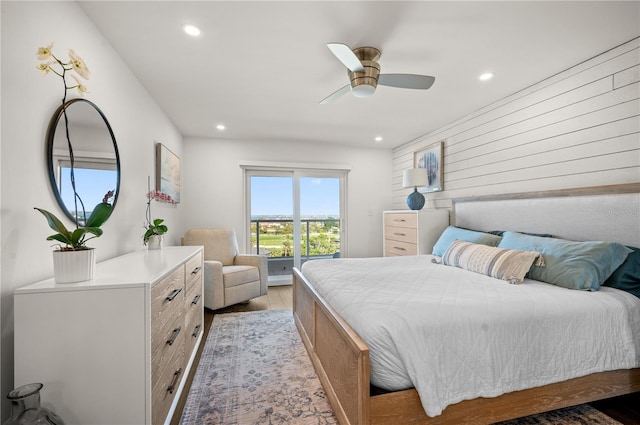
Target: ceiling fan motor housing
(364, 83)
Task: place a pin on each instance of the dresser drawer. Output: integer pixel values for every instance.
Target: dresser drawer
(392, 247)
(193, 328)
(401, 220)
(193, 270)
(167, 305)
(166, 338)
(168, 294)
(193, 309)
(402, 234)
(164, 383)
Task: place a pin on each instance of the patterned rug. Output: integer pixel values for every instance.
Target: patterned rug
(255, 370)
(578, 415)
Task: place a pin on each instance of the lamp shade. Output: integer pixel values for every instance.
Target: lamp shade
(414, 177)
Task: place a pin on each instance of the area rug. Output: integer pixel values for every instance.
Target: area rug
(578, 415)
(255, 370)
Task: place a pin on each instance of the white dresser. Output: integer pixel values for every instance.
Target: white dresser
(113, 350)
(408, 232)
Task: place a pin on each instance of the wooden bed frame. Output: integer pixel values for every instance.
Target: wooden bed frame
(341, 360)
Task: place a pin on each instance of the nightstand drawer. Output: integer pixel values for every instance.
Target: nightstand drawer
(402, 234)
(401, 220)
(400, 248)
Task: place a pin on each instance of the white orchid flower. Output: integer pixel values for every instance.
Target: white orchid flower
(44, 67)
(82, 89)
(78, 65)
(44, 53)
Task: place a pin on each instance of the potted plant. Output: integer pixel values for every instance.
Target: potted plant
(74, 261)
(154, 228)
(153, 235)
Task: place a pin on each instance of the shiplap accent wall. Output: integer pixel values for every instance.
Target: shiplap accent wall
(578, 128)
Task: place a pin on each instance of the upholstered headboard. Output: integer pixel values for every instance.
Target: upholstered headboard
(609, 213)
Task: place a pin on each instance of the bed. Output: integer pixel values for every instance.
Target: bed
(343, 360)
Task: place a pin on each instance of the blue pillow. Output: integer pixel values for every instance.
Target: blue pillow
(452, 233)
(627, 276)
(570, 264)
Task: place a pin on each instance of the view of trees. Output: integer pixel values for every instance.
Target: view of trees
(277, 237)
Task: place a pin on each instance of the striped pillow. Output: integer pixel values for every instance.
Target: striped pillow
(506, 264)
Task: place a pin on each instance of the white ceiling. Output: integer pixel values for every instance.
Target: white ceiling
(262, 67)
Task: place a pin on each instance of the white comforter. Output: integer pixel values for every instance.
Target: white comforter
(457, 335)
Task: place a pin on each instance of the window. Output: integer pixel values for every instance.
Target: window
(295, 216)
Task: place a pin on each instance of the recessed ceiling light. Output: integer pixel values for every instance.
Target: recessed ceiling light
(378, 139)
(220, 127)
(191, 30)
(486, 76)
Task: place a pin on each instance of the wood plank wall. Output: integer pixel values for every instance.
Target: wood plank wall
(578, 128)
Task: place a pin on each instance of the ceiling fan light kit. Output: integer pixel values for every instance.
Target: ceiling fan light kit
(364, 73)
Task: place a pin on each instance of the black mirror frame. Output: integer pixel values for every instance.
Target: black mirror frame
(51, 131)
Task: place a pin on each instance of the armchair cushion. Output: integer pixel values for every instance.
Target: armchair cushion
(239, 275)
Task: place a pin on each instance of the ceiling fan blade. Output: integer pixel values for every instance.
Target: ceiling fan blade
(346, 56)
(336, 94)
(406, 81)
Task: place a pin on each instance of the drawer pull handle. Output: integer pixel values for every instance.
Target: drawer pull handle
(400, 234)
(196, 331)
(173, 294)
(401, 220)
(196, 270)
(399, 248)
(196, 299)
(174, 335)
(176, 375)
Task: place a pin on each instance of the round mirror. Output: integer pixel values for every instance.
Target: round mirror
(84, 152)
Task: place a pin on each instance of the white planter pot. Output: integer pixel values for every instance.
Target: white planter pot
(73, 266)
(155, 242)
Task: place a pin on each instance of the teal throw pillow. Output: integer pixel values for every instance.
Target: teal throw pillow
(453, 233)
(570, 264)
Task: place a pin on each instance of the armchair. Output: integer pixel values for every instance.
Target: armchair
(229, 277)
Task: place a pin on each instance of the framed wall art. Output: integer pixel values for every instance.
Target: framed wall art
(167, 172)
(430, 157)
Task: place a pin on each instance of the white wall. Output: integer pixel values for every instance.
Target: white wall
(578, 128)
(28, 101)
(214, 194)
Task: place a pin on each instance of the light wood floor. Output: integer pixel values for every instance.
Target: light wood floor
(625, 409)
(277, 298)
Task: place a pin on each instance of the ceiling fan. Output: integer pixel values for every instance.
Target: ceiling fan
(364, 73)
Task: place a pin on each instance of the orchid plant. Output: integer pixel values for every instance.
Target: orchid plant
(155, 226)
(50, 63)
(76, 240)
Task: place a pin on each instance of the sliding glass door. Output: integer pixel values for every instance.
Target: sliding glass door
(294, 216)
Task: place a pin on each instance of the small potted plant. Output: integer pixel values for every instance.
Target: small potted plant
(153, 235)
(154, 228)
(74, 261)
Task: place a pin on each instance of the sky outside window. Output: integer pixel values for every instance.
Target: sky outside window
(273, 196)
